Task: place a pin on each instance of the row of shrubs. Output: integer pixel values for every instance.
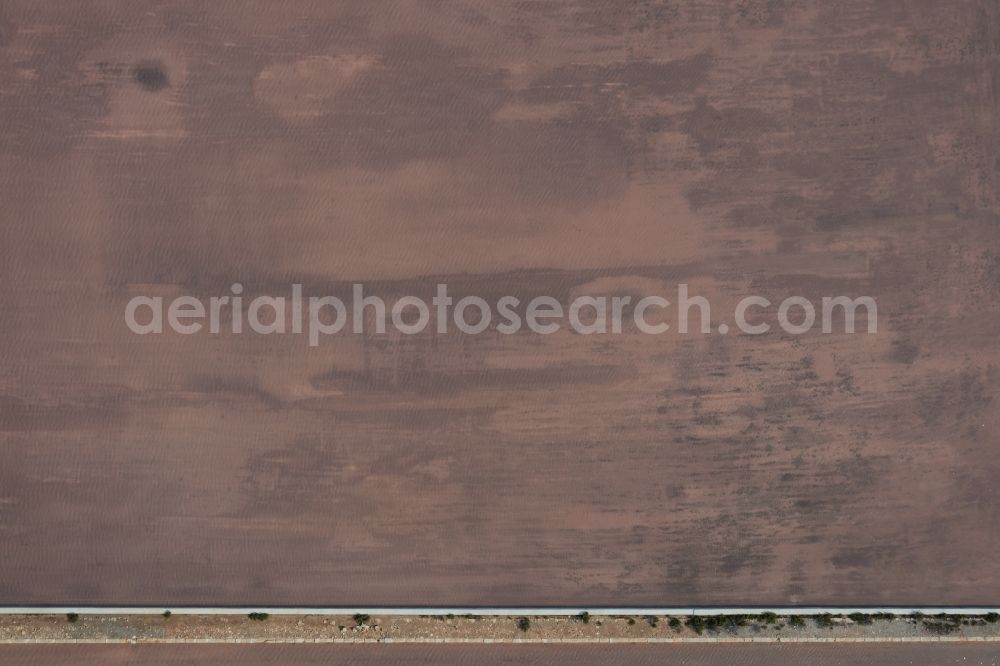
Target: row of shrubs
(942, 623)
(939, 624)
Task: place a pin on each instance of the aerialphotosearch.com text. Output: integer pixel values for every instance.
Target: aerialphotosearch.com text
(319, 316)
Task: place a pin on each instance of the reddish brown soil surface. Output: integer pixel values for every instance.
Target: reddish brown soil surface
(802, 148)
(689, 655)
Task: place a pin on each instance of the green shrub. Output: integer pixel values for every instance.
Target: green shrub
(732, 622)
(166, 615)
(652, 620)
(584, 617)
(860, 618)
(728, 622)
(941, 626)
(824, 621)
(72, 617)
(257, 617)
(992, 618)
(796, 621)
(675, 624)
(361, 618)
(696, 623)
(631, 620)
(768, 617)
(524, 624)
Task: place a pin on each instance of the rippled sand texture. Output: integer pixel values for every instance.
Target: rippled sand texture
(801, 147)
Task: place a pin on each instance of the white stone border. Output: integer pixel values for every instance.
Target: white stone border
(530, 611)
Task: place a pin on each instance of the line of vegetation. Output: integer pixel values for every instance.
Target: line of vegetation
(939, 624)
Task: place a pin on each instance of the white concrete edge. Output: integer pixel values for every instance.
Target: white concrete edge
(534, 611)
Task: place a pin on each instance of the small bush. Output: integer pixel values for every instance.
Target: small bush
(696, 623)
(584, 617)
(941, 626)
(675, 624)
(824, 621)
(768, 618)
(72, 617)
(652, 620)
(883, 616)
(732, 622)
(524, 624)
(361, 618)
(796, 621)
(860, 618)
(257, 617)
(631, 620)
(992, 618)
(166, 615)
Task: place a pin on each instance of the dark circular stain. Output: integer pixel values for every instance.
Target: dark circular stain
(151, 77)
